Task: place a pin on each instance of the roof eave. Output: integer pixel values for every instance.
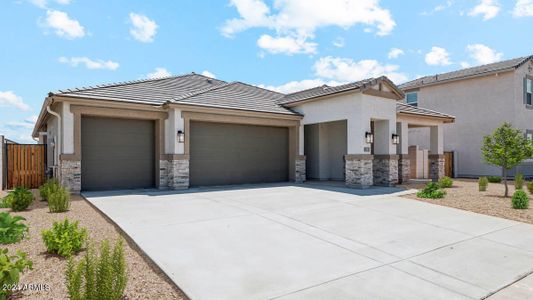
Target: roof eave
(445, 119)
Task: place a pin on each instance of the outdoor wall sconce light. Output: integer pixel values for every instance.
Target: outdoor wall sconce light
(395, 139)
(369, 137)
(181, 136)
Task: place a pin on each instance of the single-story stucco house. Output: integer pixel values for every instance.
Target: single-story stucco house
(192, 130)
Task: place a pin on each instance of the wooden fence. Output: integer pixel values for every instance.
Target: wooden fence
(25, 165)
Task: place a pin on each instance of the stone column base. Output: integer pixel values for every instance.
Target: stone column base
(70, 175)
(299, 169)
(385, 170)
(436, 166)
(358, 170)
(174, 173)
(404, 168)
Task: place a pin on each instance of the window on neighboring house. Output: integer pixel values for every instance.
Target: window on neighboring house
(529, 91)
(412, 98)
(529, 135)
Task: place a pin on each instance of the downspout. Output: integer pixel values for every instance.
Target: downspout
(59, 132)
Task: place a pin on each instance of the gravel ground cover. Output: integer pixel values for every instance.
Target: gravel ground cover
(465, 195)
(145, 281)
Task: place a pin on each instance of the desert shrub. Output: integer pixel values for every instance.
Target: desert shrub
(530, 187)
(494, 179)
(10, 269)
(49, 187)
(483, 182)
(102, 276)
(431, 190)
(11, 230)
(65, 238)
(6, 201)
(59, 200)
(519, 181)
(22, 198)
(520, 200)
(445, 182)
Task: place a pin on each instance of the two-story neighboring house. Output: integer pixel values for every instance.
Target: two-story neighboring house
(481, 98)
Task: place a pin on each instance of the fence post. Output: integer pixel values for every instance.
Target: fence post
(2, 159)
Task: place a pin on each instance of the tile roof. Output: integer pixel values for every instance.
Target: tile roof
(323, 90)
(414, 110)
(466, 73)
(238, 95)
(150, 91)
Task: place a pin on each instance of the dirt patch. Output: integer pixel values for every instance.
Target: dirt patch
(465, 195)
(145, 281)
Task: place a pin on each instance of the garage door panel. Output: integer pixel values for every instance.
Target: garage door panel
(117, 153)
(233, 154)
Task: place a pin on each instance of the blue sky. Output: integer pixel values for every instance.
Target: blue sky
(284, 44)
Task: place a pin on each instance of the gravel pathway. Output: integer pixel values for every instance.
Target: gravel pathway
(146, 281)
(465, 195)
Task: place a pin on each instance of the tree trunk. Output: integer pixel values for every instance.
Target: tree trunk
(504, 175)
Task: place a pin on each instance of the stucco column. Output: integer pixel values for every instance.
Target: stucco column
(404, 161)
(385, 162)
(436, 153)
(174, 165)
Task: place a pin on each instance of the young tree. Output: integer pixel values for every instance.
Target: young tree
(506, 147)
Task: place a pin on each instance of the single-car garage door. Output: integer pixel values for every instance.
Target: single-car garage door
(234, 154)
(117, 154)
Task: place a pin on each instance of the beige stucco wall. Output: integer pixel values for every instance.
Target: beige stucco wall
(480, 105)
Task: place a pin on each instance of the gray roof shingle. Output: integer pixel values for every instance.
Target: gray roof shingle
(413, 110)
(466, 73)
(150, 91)
(321, 91)
(238, 95)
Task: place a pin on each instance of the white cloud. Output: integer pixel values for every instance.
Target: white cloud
(287, 45)
(438, 57)
(63, 25)
(158, 73)
(438, 8)
(523, 8)
(487, 8)
(483, 54)
(465, 64)
(44, 3)
(299, 19)
(339, 42)
(295, 86)
(10, 99)
(346, 69)
(98, 64)
(208, 74)
(395, 53)
(143, 28)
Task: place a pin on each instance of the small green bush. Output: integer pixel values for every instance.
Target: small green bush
(445, 182)
(22, 198)
(65, 238)
(483, 182)
(6, 201)
(431, 190)
(10, 269)
(530, 187)
(95, 276)
(50, 186)
(494, 179)
(11, 230)
(519, 181)
(59, 200)
(520, 200)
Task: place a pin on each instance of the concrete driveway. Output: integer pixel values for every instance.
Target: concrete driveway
(307, 242)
